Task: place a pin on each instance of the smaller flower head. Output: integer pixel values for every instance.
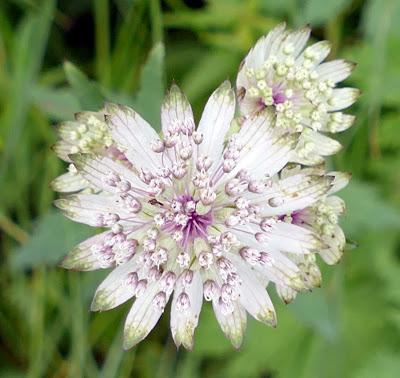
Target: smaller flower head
(322, 219)
(87, 134)
(282, 77)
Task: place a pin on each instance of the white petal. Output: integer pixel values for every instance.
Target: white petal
(320, 50)
(233, 325)
(183, 323)
(85, 208)
(294, 169)
(63, 149)
(257, 56)
(291, 238)
(336, 242)
(342, 98)
(281, 269)
(175, 110)
(298, 38)
(278, 36)
(341, 179)
(310, 273)
(215, 122)
(312, 145)
(323, 145)
(262, 49)
(134, 134)
(310, 158)
(253, 295)
(248, 105)
(342, 122)
(96, 170)
(264, 151)
(336, 204)
(69, 182)
(286, 293)
(293, 193)
(114, 290)
(143, 316)
(335, 70)
(82, 257)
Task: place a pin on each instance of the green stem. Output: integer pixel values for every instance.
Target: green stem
(102, 25)
(13, 230)
(156, 21)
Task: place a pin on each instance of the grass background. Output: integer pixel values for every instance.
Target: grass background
(58, 57)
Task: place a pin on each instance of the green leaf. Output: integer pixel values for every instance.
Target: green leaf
(102, 38)
(366, 210)
(267, 350)
(151, 91)
(317, 12)
(209, 339)
(29, 43)
(315, 311)
(381, 14)
(389, 132)
(87, 92)
(208, 72)
(59, 104)
(53, 236)
(384, 364)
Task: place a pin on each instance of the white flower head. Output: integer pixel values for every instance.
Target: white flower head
(281, 76)
(196, 213)
(321, 218)
(88, 133)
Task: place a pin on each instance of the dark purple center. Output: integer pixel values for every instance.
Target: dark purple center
(278, 94)
(278, 98)
(196, 224)
(297, 218)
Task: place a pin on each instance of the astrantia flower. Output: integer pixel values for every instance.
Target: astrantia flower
(321, 218)
(283, 77)
(87, 134)
(199, 212)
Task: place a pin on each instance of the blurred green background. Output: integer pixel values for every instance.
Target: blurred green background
(58, 57)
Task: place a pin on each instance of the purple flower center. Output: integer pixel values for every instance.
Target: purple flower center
(187, 220)
(278, 95)
(297, 218)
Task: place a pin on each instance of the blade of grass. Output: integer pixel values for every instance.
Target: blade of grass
(88, 92)
(13, 230)
(149, 97)
(30, 42)
(128, 43)
(102, 37)
(156, 21)
(82, 361)
(115, 356)
(36, 325)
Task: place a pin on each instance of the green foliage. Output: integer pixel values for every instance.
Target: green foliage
(150, 95)
(87, 92)
(32, 254)
(367, 210)
(350, 327)
(318, 12)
